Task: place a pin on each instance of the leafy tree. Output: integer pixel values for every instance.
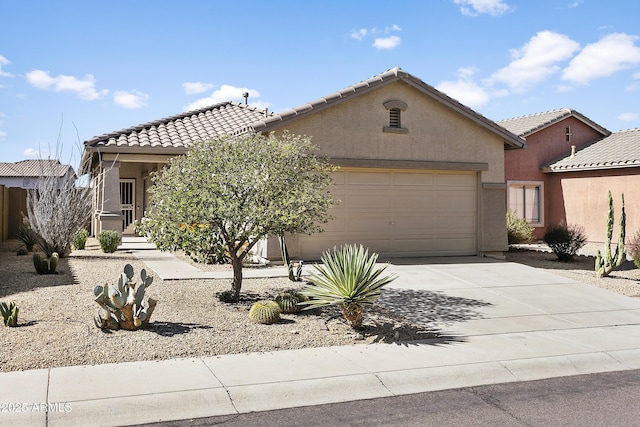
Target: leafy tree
(241, 189)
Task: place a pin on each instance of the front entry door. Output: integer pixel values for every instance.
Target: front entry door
(127, 202)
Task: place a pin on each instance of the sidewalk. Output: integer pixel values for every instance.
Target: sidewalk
(502, 322)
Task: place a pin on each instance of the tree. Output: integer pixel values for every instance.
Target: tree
(240, 189)
(57, 209)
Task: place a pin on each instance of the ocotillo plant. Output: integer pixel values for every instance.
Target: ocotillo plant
(605, 264)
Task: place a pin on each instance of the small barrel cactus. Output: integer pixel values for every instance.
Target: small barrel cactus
(288, 301)
(9, 313)
(46, 265)
(265, 312)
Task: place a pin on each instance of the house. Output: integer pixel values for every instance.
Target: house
(17, 178)
(419, 173)
(568, 166)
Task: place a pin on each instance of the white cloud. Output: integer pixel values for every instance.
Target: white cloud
(359, 34)
(84, 88)
(464, 89)
(629, 116)
(4, 61)
(31, 153)
(131, 100)
(3, 135)
(386, 42)
(482, 7)
(536, 60)
(191, 88)
(224, 93)
(605, 57)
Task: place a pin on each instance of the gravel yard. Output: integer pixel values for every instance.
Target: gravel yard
(56, 316)
(56, 313)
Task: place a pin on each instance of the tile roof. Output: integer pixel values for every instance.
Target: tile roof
(618, 150)
(34, 168)
(394, 74)
(526, 125)
(178, 132)
(181, 130)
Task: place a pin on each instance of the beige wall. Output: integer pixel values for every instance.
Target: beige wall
(436, 133)
(581, 198)
(353, 129)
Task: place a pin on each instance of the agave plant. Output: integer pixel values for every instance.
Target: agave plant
(347, 278)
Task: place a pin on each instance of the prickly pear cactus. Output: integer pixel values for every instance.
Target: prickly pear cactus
(265, 312)
(9, 313)
(46, 265)
(123, 305)
(288, 301)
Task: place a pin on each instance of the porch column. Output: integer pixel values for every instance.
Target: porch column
(110, 212)
(493, 224)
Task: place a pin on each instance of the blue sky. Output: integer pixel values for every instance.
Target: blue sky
(71, 70)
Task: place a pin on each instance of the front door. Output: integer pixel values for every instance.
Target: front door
(127, 202)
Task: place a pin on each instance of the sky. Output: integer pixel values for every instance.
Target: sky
(72, 70)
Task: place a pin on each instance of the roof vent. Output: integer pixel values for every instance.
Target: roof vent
(245, 95)
(573, 151)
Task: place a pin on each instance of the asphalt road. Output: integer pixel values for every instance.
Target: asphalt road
(608, 399)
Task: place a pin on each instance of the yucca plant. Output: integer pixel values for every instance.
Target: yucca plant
(347, 278)
(28, 236)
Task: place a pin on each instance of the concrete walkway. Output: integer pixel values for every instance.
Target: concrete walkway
(501, 322)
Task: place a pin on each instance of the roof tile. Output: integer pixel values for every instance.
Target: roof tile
(618, 150)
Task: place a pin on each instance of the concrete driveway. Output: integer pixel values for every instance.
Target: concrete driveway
(501, 322)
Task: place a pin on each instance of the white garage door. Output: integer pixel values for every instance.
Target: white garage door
(400, 213)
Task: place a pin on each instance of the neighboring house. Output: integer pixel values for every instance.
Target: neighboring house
(568, 166)
(21, 176)
(419, 173)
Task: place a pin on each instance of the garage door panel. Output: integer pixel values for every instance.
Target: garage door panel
(401, 213)
(412, 201)
(370, 224)
(461, 224)
(456, 201)
(368, 179)
(413, 179)
(455, 180)
(367, 200)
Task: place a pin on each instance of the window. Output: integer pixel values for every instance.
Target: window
(395, 109)
(567, 134)
(526, 200)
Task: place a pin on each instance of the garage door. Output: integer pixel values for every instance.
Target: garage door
(400, 213)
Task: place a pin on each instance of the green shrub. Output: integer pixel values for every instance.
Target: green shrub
(565, 240)
(634, 248)
(109, 241)
(81, 239)
(348, 277)
(518, 230)
(9, 313)
(28, 236)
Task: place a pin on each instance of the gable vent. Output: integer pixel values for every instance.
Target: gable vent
(394, 118)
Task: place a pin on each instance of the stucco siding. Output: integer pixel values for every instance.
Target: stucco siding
(581, 198)
(354, 129)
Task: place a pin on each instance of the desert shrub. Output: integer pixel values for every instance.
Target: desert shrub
(565, 240)
(518, 230)
(28, 236)
(109, 241)
(81, 239)
(634, 248)
(349, 278)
